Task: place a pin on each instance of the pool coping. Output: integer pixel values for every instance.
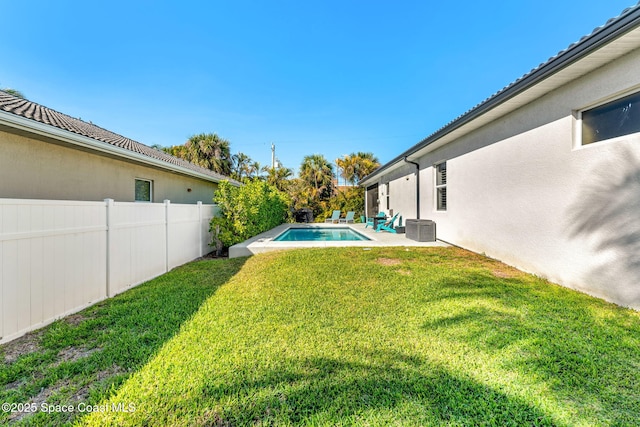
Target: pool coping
(264, 242)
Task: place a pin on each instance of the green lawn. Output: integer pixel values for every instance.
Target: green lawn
(389, 336)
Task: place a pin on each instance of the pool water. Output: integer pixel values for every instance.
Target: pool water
(319, 234)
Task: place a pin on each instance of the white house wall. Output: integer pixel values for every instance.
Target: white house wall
(522, 189)
(402, 192)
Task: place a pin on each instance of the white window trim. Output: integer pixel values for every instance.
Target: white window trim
(437, 186)
(150, 190)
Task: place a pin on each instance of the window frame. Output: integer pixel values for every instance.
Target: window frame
(579, 118)
(135, 190)
(387, 192)
(440, 188)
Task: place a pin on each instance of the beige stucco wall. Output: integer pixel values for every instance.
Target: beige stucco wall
(35, 169)
(523, 190)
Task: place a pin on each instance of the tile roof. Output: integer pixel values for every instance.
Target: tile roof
(31, 110)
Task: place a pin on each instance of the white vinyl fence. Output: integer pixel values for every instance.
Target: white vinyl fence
(58, 257)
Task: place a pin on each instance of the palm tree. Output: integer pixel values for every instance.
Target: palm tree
(366, 165)
(356, 166)
(348, 167)
(241, 166)
(254, 169)
(209, 151)
(317, 172)
(176, 151)
(278, 177)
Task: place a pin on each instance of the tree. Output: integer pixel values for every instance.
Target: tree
(241, 166)
(356, 166)
(300, 193)
(176, 151)
(255, 169)
(209, 151)
(367, 164)
(14, 92)
(278, 177)
(315, 186)
(317, 172)
(348, 199)
(246, 211)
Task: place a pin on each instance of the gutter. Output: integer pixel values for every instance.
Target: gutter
(627, 21)
(32, 126)
(417, 185)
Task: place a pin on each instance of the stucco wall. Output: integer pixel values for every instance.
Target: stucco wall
(402, 193)
(35, 169)
(522, 189)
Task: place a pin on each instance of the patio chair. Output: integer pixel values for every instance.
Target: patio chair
(349, 218)
(335, 217)
(388, 226)
(370, 220)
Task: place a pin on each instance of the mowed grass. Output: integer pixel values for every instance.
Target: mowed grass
(85, 357)
(389, 336)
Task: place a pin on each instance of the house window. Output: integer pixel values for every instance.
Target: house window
(144, 190)
(441, 186)
(616, 118)
(387, 195)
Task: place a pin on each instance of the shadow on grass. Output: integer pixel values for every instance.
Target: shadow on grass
(390, 388)
(584, 349)
(84, 357)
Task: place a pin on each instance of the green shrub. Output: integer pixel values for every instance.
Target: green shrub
(350, 199)
(246, 211)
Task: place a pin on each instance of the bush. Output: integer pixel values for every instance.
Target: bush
(246, 211)
(350, 199)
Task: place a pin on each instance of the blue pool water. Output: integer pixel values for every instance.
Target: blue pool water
(319, 234)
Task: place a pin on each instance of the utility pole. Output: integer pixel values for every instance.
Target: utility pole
(273, 156)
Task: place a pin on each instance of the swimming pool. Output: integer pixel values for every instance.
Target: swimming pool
(314, 234)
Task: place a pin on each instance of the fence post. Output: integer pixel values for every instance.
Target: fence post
(200, 228)
(167, 206)
(109, 207)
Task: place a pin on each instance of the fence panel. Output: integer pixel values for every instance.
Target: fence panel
(183, 233)
(52, 258)
(137, 249)
(58, 257)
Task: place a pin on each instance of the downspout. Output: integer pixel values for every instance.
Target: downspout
(417, 186)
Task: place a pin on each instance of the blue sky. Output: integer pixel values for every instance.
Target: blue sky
(327, 77)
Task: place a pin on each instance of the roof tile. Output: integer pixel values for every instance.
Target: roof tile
(31, 110)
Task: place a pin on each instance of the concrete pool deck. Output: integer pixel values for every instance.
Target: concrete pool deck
(264, 242)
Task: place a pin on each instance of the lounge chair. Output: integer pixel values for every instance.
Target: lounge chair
(388, 226)
(335, 217)
(349, 218)
(370, 220)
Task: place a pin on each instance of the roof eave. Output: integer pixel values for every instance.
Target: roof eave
(600, 37)
(27, 125)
